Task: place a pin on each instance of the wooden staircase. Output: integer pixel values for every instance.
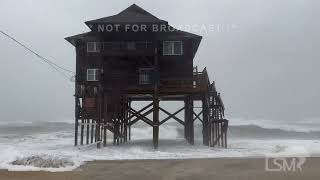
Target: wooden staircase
(218, 126)
(215, 125)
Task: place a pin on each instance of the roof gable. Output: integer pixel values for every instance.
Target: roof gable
(133, 14)
(135, 9)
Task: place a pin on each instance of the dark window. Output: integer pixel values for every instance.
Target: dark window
(145, 76)
(131, 46)
(93, 47)
(92, 74)
(172, 48)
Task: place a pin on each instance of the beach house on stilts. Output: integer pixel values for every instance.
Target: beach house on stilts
(135, 56)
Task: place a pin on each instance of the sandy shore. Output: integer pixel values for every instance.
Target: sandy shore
(220, 169)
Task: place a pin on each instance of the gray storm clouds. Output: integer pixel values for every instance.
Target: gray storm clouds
(266, 68)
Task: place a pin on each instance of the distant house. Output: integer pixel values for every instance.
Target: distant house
(135, 56)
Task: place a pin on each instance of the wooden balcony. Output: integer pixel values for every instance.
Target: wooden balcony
(174, 86)
(168, 85)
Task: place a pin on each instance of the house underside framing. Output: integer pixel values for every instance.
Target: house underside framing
(114, 112)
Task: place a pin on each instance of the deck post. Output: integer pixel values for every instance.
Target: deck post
(92, 129)
(98, 136)
(126, 121)
(100, 110)
(118, 132)
(129, 129)
(188, 128)
(225, 134)
(186, 119)
(76, 121)
(81, 131)
(212, 134)
(156, 103)
(120, 122)
(104, 135)
(129, 126)
(191, 123)
(121, 125)
(115, 134)
(105, 120)
(76, 133)
(155, 126)
(155, 118)
(95, 132)
(219, 133)
(88, 130)
(205, 121)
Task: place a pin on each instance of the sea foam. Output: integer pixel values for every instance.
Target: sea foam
(54, 150)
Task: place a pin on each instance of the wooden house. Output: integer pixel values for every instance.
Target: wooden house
(135, 56)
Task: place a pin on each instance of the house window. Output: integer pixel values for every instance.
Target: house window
(92, 74)
(172, 48)
(131, 46)
(93, 46)
(145, 76)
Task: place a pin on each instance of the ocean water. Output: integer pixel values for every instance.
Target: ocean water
(49, 145)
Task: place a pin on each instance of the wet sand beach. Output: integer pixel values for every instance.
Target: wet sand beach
(221, 169)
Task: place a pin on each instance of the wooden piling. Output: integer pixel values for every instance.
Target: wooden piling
(225, 133)
(129, 132)
(100, 106)
(212, 134)
(189, 121)
(155, 123)
(76, 124)
(191, 124)
(156, 104)
(121, 131)
(76, 133)
(114, 136)
(105, 120)
(186, 119)
(88, 131)
(81, 131)
(205, 121)
(217, 133)
(126, 122)
(129, 121)
(104, 135)
(92, 130)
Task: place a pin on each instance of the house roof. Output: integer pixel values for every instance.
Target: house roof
(73, 39)
(133, 14)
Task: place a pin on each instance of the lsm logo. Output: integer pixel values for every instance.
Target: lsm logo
(284, 164)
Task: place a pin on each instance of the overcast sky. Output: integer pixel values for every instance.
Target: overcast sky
(267, 67)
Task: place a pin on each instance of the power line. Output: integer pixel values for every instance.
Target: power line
(54, 65)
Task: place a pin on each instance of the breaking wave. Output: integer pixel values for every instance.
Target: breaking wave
(49, 146)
